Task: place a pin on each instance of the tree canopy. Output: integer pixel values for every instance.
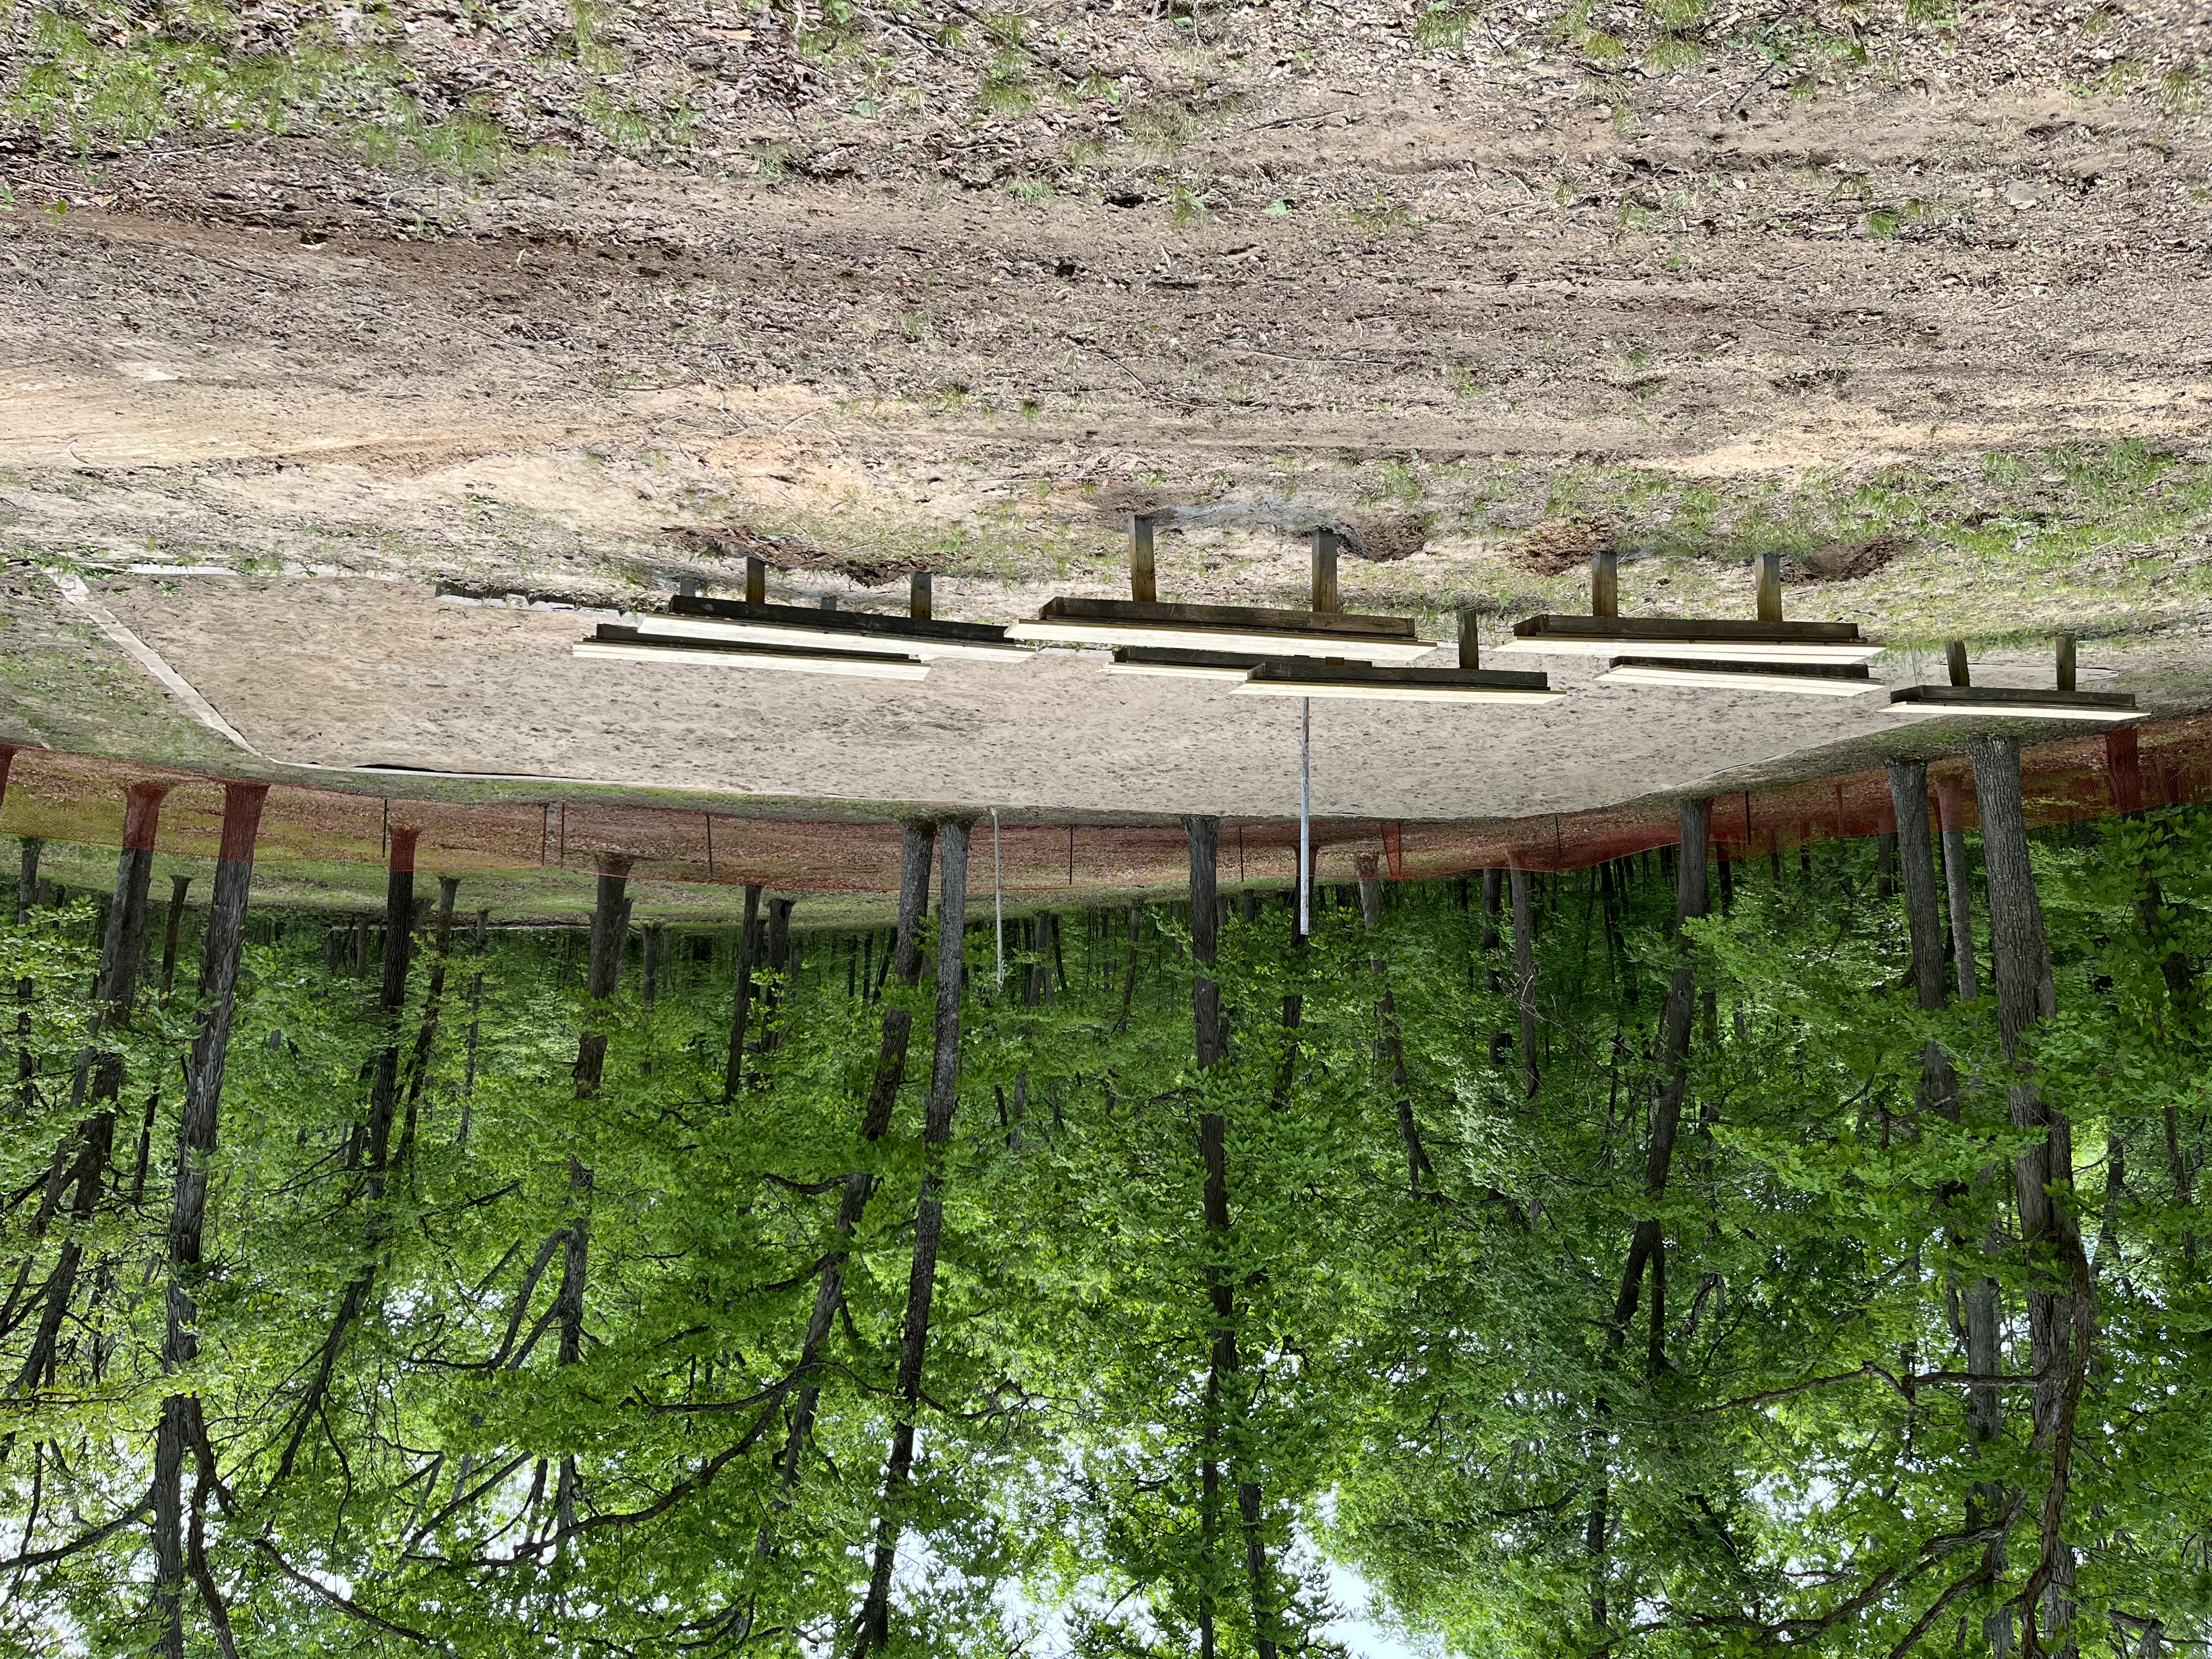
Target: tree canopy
(1661, 1259)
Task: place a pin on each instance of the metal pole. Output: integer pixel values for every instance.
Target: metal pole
(1305, 814)
(997, 903)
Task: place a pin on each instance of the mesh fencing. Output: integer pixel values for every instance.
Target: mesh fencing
(74, 797)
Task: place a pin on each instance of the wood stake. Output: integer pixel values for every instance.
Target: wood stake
(1470, 641)
(1324, 572)
(1604, 584)
(2065, 662)
(756, 580)
(1954, 654)
(1767, 581)
(1143, 586)
(918, 601)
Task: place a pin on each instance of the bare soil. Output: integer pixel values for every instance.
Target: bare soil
(872, 298)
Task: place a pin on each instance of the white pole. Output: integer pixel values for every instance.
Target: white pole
(998, 903)
(1305, 814)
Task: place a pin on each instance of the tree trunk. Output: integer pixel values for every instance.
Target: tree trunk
(1394, 1046)
(26, 884)
(1524, 979)
(1951, 800)
(197, 1127)
(874, 1625)
(475, 1026)
(917, 843)
(2059, 1306)
(603, 972)
(782, 964)
(398, 924)
(100, 1074)
(177, 884)
(741, 1004)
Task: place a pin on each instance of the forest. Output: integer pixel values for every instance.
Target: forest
(1677, 1256)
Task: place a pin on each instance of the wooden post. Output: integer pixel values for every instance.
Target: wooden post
(2065, 662)
(756, 580)
(1955, 657)
(828, 601)
(1470, 638)
(1324, 572)
(1605, 583)
(1767, 584)
(919, 598)
(1144, 587)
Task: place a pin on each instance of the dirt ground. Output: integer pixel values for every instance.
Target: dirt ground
(630, 294)
(361, 675)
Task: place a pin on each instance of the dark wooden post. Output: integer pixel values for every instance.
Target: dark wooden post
(1766, 582)
(756, 580)
(1605, 583)
(1143, 586)
(196, 1126)
(1954, 659)
(2066, 662)
(1470, 637)
(1324, 572)
(920, 601)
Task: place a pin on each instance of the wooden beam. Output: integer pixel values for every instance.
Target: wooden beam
(1144, 587)
(1247, 617)
(919, 602)
(756, 580)
(1656, 629)
(2065, 662)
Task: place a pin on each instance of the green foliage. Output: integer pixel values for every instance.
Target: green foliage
(1398, 1322)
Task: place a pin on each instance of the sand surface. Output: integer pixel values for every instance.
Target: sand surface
(349, 674)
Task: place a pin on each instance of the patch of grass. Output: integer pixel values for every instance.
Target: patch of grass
(1384, 213)
(2181, 90)
(1158, 130)
(1670, 52)
(1186, 208)
(192, 70)
(1005, 88)
(1443, 26)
